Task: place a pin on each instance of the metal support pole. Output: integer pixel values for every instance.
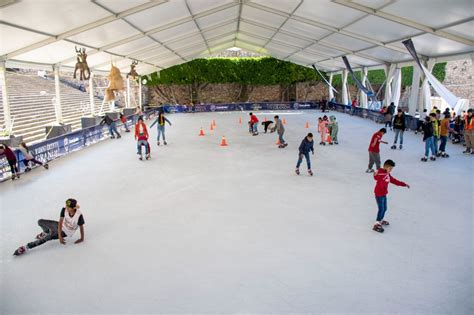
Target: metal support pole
(140, 100)
(345, 97)
(57, 104)
(362, 95)
(6, 102)
(91, 94)
(128, 105)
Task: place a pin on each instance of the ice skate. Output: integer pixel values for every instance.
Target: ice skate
(444, 155)
(385, 222)
(140, 156)
(467, 151)
(369, 170)
(424, 159)
(335, 142)
(148, 156)
(438, 154)
(165, 143)
(158, 143)
(119, 136)
(433, 158)
(20, 251)
(378, 228)
(310, 172)
(400, 147)
(112, 137)
(393, 147)
(330, 143)
(27, 169)
(297, 171)
(46, 166)
(41, 235)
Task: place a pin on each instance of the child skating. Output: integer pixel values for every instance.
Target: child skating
(254, 124)
(280, 130)
(141, 135)
(383, 178)
(28, 157)
(112, 126)
(123, 119)
(70, 219)
(333, 129)
(322, 126)
(428, 139)
(399, 126)
(444, 131)
(374, 149)
(11, 158)
(306, 146)
(161, 127)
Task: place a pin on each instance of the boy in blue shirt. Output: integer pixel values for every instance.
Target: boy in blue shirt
(305, 147)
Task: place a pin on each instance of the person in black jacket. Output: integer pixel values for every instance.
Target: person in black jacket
(306, 146)
(428, 138)
(399, 126)
(112, 126)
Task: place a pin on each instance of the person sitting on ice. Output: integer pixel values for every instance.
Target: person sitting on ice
(141, 135)
(70, 219)
(266, 124)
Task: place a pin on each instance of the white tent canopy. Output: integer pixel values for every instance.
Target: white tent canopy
(163, 33)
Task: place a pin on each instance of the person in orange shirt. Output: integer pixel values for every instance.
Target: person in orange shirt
(141, 135)
(443, 133)
(469, 132)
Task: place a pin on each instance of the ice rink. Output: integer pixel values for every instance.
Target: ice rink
(201, 228)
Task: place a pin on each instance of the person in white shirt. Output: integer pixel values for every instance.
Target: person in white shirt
(70, 220)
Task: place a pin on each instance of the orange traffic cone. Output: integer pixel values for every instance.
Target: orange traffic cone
(278, 141)
(284, 121)
(214, 123)
(224, 142)
(329, 139)
(240, 120)
(201, 132)
(212, 127)
(307, 125)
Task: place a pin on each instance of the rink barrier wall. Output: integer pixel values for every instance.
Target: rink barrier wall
(57, 147)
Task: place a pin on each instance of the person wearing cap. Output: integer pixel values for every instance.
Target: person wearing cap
(469, 132)
(70, 220)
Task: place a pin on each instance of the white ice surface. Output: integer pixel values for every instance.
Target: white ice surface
(201, 228)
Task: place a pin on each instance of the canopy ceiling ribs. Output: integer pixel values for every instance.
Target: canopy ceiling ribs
(163, 33)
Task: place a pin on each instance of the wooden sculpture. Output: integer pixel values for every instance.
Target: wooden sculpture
(115, 83)
(133, 73)
(81, 65)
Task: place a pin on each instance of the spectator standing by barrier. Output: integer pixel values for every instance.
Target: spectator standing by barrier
(29, 157)
(11, 158)
(112, 126)
(428, 135)
(399, 126)
(374, 149)
(160, 121)
(354, 105)
(469, 132)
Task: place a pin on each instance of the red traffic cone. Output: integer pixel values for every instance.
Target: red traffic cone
(214, 123)
(224, 142)
(284, 121)
(201, 132)
(278, 141)
(212, 127)
(307, 125)
(240, 120)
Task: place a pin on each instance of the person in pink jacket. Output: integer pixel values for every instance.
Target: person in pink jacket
(322, 129)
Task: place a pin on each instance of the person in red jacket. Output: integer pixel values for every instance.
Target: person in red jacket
(374, 149)
(253, 124)
(11, 158)
(383, 178)
(141, 135)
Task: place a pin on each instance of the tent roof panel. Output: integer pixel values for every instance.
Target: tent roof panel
(174, 32)
(221, 30)
(51, 53)
(346, 42)
(153, 51)
(250, 28)
(50, 17)
(318, 48)
(291, 40)
(120, 5)
(251, 39)
(203, 5)
(435, 13)
(434, 46)
(94, 60)
(132, 46)
(386, 54)
(186, 42)
(369, 26)
(305, 29)
(159, 15)
(465, 30)
(287, 5)
(329, 13)
(22, 38)
(218, 17)
(105, 34)
(261, 16)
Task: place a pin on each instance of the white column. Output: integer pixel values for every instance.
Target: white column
(331, 92)
(140, 100)
(389, 71)
(57, 104)
(128, 105)
(91, 94)
(345, 99)
(415, 90)
(396, 87)
(6, 102)
(362, 95)
(424, 100)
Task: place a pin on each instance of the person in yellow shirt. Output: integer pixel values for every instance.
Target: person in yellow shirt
(444, 130)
